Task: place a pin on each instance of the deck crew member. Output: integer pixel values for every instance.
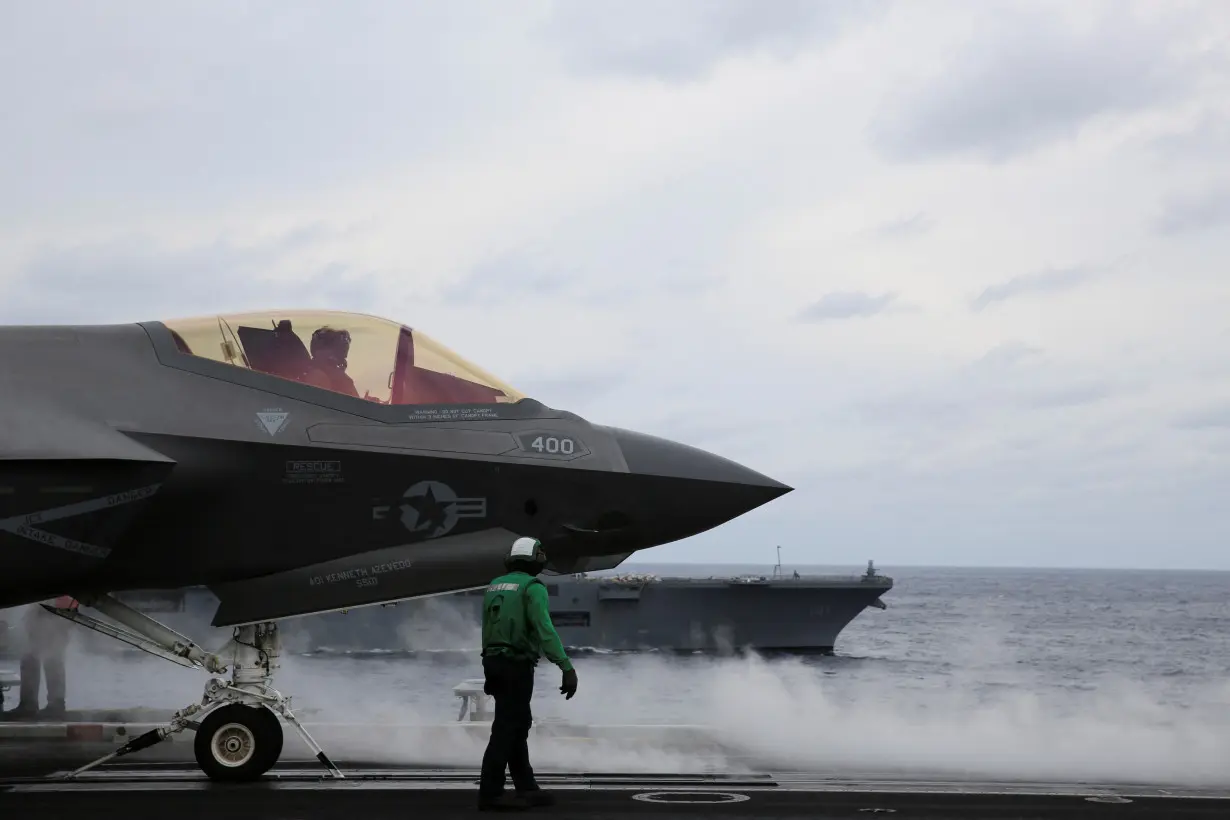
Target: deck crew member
(517, 630)
(46, 641)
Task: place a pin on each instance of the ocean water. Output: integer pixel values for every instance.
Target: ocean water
(1006, 673)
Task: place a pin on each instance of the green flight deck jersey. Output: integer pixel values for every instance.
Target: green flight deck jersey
(517, 621)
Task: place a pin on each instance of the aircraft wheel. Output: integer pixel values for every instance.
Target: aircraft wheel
(238, 742)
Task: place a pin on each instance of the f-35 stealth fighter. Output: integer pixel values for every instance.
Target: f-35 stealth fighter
(298, 462)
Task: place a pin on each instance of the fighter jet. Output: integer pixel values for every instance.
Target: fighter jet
(298, 462)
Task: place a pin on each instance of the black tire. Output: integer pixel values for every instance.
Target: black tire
(238, 743)
(275, 738)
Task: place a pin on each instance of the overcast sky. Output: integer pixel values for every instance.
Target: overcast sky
(957, 271)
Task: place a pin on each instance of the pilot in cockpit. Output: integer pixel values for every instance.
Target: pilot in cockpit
(329, 350)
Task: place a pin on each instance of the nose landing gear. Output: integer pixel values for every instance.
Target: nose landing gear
(238, 732)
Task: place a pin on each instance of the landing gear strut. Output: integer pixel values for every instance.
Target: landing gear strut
(238, 732)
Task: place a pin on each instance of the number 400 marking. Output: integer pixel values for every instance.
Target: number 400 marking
(553, 445)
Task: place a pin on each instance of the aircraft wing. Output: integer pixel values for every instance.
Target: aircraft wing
(31, 429)
(71, 488)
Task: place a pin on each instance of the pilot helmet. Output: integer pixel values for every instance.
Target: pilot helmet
(528, 550)
(332, 340)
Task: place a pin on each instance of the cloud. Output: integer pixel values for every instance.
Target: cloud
(502, 280)
(138, 278)
(1026, 80)
(1049, 281)
(1207, 209)
(919, 223)
(1012, 379)
(1216, 417)
(681, 41)
(148, 103)
(600, 281)
(846, 305)
(1006, 354)
(1208, 138)
(1074, 394)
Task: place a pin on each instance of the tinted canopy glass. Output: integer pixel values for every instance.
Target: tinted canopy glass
(349, 353)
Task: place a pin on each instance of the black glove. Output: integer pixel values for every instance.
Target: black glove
(569, 686)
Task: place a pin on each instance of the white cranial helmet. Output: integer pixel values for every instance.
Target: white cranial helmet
(527, 549)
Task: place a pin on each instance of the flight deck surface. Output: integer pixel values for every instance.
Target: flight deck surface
(163, 783)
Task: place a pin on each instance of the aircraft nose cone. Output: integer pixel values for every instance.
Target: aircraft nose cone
(651, 455)
(688, 490)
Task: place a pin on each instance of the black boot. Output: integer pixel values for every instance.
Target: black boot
(23, 711)
(537, 797)
(54, 710)
(502, 802)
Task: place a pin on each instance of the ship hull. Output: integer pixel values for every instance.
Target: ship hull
(708, 617)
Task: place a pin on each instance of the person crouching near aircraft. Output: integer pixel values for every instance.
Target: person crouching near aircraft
(46, 641)
(517, 629)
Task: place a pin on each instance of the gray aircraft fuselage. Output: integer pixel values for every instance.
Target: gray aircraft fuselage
(126, 463)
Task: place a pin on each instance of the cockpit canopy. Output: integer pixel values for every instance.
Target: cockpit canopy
(349, 353)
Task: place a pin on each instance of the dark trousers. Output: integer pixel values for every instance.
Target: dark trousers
(511, 683)
(32, 668)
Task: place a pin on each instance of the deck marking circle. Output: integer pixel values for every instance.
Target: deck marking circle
(722, 797)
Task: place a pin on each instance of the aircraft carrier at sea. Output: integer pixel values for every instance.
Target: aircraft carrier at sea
(779, 613)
